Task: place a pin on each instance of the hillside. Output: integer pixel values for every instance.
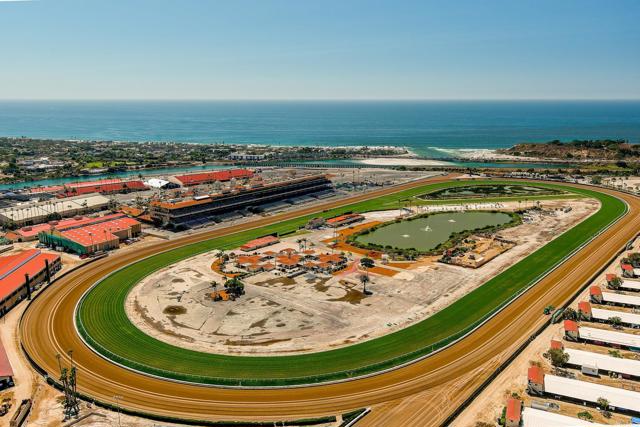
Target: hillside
(579, 149)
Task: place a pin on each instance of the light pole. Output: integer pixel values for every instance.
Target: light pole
(117, 398)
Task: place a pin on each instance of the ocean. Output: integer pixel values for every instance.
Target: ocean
(433, 129)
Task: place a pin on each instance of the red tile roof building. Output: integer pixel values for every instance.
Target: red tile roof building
(585, 309)
(570, 326)
(513, 413)
(344, 220)
(210, 177)
(259, 243)
(557, 345)
(93, 235)
(13, 269)
(105, 186)
(6, 372)
(535, 374)
(26, 234)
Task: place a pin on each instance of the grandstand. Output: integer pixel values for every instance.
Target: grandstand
(202, 210)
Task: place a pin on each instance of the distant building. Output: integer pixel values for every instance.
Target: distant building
(105, 186)
(247, 157)
(160, 184)
(211, 177)
(315, 223)
(192, 213)
(259, 243)
(100, 234)
(342, 220)
(32, 213)
(14, 270)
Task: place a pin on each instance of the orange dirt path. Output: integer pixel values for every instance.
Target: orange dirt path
(420, 394)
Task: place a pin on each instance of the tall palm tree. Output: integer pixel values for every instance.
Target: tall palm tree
(364, 279)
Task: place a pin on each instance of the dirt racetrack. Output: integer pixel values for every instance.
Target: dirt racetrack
(420, 394)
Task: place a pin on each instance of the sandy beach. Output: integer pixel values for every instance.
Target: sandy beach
(404, 161)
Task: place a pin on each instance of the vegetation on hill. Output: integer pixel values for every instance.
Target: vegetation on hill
(596, 150)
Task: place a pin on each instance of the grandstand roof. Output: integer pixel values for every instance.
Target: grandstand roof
(203, 177)
(170, 205)
(14, 267)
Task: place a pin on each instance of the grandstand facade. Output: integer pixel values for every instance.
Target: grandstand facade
(202, 210)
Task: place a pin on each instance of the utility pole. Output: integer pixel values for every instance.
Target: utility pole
(117, 398)
(68, 379)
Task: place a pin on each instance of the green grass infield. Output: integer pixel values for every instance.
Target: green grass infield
(102, 321)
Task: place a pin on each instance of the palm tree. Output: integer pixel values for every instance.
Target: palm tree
(367, 263)
(364, 279)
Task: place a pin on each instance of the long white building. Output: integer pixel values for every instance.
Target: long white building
(626, 317)
(609, 337)
(630, 284)
(537, 418)
(621, 299)
(618, 398)
(603, 362)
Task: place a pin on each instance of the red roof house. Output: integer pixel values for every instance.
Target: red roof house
(595, 290)
(535, 374)
(570, 325)
(557, 345)
(513, 413)
(585, 308)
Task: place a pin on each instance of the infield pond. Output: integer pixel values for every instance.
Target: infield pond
(426, 233)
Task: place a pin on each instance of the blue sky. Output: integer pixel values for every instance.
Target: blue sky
(347, 49)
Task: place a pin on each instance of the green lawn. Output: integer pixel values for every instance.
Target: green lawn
(102, 320)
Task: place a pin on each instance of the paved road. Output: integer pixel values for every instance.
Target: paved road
(401, 397)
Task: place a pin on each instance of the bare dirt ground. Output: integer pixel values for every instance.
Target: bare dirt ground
(278, 315)
(488, 405)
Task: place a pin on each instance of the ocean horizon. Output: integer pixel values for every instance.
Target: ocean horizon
(433, 129)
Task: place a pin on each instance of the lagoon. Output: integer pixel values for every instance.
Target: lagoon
(426, 233)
